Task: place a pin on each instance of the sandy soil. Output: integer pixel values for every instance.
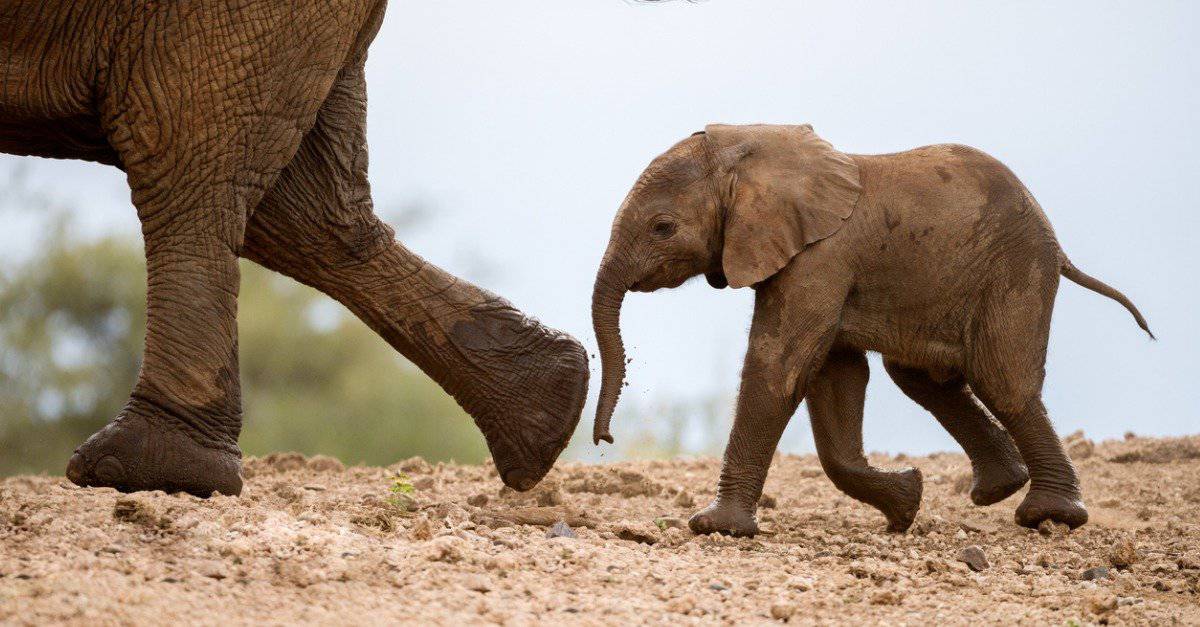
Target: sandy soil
(311, 541)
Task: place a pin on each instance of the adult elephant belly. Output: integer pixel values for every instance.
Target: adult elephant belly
(76, 137)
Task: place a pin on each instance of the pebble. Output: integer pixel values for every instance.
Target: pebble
(478, 500)
(1123, 554)
(684, 500)
(1092, 574)
(635, 533)
(667, 522)
(1051, 529)
(560, 529)
(782, 611)
(766, 501)
(974, 558)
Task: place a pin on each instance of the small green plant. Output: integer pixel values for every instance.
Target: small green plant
(402, 490)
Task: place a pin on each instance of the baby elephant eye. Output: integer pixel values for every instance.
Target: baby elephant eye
(663, 228)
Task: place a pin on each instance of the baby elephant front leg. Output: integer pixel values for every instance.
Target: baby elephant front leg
(778, 363)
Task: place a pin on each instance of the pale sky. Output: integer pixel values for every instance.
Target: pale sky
(524, 123)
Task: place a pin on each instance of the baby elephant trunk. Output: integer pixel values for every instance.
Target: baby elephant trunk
(607, 296)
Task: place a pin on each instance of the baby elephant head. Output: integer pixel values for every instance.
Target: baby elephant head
(735, 203)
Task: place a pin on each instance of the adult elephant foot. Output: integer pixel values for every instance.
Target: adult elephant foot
(1042, 505)
(997, 481)
(134, 453)
(899, 497)
(726, 518)
(529, 392)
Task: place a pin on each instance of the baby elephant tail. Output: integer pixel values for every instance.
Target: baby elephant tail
(1080, 277)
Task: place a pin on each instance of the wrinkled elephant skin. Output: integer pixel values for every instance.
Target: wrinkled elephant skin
(938, 258)
(242, 129)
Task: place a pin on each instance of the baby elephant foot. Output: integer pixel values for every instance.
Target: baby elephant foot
(722, 517)
(997, 481)
(131, 454)
(1042, 505)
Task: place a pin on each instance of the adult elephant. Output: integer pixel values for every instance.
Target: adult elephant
(241, 127)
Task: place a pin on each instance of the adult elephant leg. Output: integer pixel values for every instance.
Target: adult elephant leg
(835, 407)
(243, 83)
(522, 382)
(789, 337)
(995, 461)
(1006, 368)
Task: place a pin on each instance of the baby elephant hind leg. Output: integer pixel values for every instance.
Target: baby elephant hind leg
(1006, 369)
(995, 461)
(835, 406)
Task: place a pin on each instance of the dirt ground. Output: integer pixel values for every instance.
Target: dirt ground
(311, 541)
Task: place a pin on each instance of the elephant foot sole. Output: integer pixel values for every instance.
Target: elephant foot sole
(995, 482)
(134, 454)
(1040, 505)
(725, 519)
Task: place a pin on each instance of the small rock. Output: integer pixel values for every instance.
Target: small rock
(424, 483)
(782, 611)
(422, 529)
(961, 534)
(477, 500)
(886, 597)
(325, 463)
(414, 465)
(560, 529)
(1052, 529)
(1100, 603)
(974, 558)
(1123, 554)
(635, 533)
(683, 499)
(718, 586)
(766, 501)
(313, 487)
(1092, 574)
(682, 605)
(667, 522)
(450, 549)
(142, 512)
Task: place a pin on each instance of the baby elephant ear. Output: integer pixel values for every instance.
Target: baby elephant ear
(788, 188)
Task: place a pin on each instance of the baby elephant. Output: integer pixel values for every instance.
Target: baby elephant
(938, 258)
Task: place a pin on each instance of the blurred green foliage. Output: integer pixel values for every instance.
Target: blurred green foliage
(315, 379)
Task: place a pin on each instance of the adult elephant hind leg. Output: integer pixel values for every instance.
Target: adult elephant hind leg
(522, 382)
(1006, 368)
(835, 408)
(995, 462)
